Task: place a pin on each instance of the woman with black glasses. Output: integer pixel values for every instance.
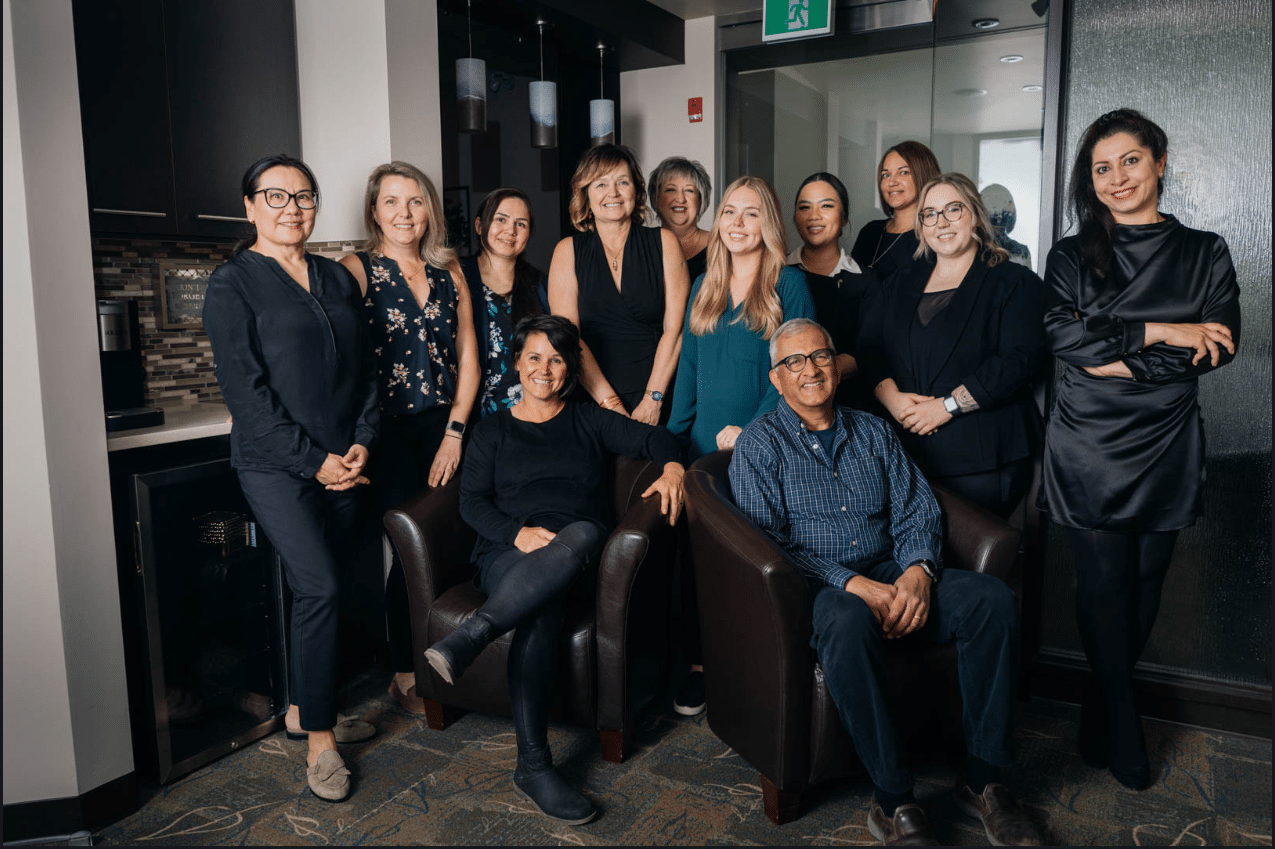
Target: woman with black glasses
(953, 350)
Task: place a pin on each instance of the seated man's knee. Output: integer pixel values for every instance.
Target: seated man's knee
(843, 619)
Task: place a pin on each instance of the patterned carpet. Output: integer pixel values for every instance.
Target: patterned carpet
(682, 787)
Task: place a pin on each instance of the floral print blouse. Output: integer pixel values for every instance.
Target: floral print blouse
(501, 388)
(415, 345)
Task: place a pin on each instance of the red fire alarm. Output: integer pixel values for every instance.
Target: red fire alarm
(695, 109)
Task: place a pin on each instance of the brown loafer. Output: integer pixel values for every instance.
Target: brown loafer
(1004, 820)
(408, 701)
(328, 778)
(348, 729)
(908, 826)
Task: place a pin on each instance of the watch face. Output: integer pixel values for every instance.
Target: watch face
(657, 396)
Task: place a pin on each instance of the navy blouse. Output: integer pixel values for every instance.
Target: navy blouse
(415, 345)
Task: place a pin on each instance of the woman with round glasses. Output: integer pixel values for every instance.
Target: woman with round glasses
(294, 366)
(954, 348)
(747, 292)
(890, 244)
(1139, 307)
(416, 305)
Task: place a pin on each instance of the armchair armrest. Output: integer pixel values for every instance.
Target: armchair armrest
(755, 616)
(974, 538)
(433, 542)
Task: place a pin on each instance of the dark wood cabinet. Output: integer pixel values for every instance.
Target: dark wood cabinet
(178, 98)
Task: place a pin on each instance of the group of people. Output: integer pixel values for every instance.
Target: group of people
(403, 366)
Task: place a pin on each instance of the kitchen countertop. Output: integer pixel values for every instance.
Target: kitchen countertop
(181, 422)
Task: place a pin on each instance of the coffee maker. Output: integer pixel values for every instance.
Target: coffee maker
(119, 336)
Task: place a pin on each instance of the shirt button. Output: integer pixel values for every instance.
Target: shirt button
(854, 542)
(843, 509)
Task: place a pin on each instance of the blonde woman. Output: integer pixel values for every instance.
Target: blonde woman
(417, 308)
(743, 297)
(624, 285)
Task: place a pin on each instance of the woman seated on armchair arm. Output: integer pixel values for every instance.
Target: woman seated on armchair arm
(531, 485)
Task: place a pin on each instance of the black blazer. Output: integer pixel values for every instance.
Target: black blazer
(990, 338)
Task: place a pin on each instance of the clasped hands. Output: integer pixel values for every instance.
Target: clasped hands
(901, 607)
(340, 473)
(920, 414)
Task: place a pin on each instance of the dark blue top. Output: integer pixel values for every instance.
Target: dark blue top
(294, 366)
(416, 361)
(499, 388)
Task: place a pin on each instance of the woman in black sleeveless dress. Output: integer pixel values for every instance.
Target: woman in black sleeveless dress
(624, 285)
(1138, 307)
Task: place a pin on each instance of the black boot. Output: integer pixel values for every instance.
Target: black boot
(539, 783)
(1093, 743)
(453, 654)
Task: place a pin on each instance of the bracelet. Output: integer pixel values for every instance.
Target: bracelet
(605, 403)
(453, 433)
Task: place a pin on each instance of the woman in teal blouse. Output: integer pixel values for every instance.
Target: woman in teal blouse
(736, 306)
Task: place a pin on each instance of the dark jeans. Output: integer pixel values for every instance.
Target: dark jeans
(313, 529)
(401, 469)
(977, 612)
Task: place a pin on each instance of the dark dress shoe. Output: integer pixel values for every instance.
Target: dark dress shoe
(908, 826)
(539, 783)
(408, 701)
(1005, 822)
(453, 654)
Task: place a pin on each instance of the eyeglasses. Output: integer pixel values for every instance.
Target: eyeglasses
(952, 212)
(278, 198)
(797, 362)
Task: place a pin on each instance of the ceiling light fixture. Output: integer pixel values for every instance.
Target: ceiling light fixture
(1033, 88)
(985, 23)
(970, 92)
(1011, 58)
(601, 111)
(544, 102)
(471, 84)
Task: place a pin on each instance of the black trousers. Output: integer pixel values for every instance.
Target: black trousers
(998, 490)
(313, 529)
(401, 469)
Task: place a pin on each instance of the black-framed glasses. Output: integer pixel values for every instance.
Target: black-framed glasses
(797, 362)
(278, 198)
(952, 212)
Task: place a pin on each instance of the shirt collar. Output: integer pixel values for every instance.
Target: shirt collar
(844, 263)
(797, 428)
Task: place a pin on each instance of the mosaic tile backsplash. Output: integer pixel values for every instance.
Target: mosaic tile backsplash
(179, 363)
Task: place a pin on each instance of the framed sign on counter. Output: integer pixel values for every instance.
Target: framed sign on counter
(181, 295)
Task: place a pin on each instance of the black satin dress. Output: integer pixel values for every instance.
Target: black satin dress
(622, 327)
(1120, 454)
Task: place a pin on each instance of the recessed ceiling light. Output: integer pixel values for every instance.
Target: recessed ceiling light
(970, 92)
(985, 23)
(1033, 88)
(1011, 58)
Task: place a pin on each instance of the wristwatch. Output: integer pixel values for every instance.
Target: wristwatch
(927, 566)
(655, 395)
(949, 404)
(457, 428)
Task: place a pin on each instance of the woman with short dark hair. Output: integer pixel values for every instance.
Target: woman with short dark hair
(623, 284)
(293, 363)
(890, 244)
(1139, 307)
(418, 312)
(532, 486)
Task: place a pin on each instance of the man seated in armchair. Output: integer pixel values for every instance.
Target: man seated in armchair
(836, 491)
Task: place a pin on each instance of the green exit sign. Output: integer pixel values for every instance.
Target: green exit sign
(783, 20)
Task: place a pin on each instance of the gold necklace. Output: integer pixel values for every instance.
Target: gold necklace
(615, 260)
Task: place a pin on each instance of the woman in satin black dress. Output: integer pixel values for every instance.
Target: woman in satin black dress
(1138, 307)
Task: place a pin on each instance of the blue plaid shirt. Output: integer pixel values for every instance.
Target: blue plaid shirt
(866, 504)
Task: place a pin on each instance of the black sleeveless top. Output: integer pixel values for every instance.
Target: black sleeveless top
(622, 327)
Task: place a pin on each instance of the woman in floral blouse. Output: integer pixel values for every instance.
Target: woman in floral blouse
(504, 288)
(418, 311)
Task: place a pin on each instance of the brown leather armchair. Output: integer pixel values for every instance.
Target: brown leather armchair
(766, 694)
(616, 643)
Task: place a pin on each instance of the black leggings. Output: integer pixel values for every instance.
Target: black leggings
(527, 592)
(1118, 581)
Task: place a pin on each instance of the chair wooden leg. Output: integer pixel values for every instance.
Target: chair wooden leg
(438, 715)
(613, 748)
(781, 806)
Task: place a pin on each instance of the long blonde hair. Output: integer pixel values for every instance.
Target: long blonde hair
(762, 311)
(434, 249)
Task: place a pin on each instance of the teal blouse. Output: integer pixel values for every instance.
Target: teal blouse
(722, 378)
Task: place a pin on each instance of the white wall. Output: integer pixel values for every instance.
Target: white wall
(653, 118)
(368, 74)
(66, 727)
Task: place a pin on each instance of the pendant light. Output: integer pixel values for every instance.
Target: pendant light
(471, 85)
(544, 103)
(601, 111)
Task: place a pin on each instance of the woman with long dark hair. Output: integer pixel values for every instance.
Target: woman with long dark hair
(418, 312)
(890, 244)
(1139, 307)
(503, 289)
(298, 376)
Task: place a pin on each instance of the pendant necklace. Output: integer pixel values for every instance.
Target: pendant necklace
(888, 248)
